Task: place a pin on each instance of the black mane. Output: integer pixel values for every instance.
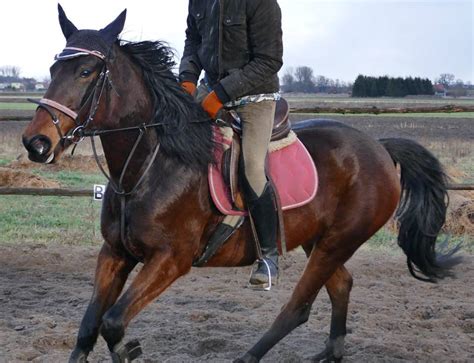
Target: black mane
(187, 135)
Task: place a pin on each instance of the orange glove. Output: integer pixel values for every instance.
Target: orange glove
(189, 87)
(212, 105)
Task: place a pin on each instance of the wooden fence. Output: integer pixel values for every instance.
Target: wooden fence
(62, 192)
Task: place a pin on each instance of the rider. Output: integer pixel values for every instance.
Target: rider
(238, 43)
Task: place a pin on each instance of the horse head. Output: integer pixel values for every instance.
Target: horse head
(79, 80)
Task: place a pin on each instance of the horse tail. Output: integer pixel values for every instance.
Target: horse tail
(422, 210)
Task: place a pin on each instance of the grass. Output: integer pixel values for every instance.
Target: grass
(72, 179)
(27, 219)
(14, 94)
(386, 240)
(5, 160)
(467, 165)
(17, 106)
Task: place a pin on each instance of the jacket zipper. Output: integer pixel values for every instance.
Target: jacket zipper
(219, 53)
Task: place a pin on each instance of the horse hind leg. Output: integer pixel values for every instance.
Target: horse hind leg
(326, 257)
(338, 287)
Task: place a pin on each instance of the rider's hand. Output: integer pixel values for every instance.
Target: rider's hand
(189, 87)
(212, 105)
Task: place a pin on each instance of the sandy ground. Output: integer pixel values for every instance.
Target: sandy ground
(210, 316)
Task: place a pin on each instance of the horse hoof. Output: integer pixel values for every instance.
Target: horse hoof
(78, 356)
(125, 353)
(247, 358)
(327, 355)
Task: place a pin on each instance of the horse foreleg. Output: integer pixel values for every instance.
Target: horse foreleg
(156, 275)
(111, 273)
(338, 287)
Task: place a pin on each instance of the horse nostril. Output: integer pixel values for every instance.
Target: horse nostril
(39, 145)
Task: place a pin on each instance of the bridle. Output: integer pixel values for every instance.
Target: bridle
(80, 131)
(76, 134)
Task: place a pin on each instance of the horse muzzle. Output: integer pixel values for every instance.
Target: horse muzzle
(39, 149)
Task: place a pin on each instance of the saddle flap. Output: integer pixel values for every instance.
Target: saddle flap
(234, 173)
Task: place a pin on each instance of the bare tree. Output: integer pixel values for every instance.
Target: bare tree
(446, 79)
(322, 83)
(10, 71)
(302, 79)
(288, 81)
(304, 74)
(305, 79)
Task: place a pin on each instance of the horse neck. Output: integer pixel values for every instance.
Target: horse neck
(188, 147)
(118, 148)
(128, 104)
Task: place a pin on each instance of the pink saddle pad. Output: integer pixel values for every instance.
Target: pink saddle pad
(292, 170)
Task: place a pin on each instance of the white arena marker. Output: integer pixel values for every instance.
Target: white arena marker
(99, 191)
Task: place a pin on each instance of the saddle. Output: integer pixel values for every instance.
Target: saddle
(281, 122)
(290, 168)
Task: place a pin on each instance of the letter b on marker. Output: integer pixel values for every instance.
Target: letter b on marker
(99, 191)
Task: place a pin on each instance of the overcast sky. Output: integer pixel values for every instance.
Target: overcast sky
(337, 38)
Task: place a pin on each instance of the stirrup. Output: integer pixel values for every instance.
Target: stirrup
(271, 281)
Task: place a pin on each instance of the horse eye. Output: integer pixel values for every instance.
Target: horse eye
(85, 73)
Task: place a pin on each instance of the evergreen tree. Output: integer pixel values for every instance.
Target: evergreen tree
(365, 86)
(372, 87)
(382, 83)
(410, 86)
(359, 89)
(419, 86)
(427, 87)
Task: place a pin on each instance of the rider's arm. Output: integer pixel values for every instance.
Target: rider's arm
(190, 68)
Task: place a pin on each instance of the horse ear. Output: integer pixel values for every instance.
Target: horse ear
(66, 25)
(112, 31)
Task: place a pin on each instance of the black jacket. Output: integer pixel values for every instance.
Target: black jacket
(237, 42)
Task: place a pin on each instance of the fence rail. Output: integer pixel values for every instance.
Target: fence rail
(460, 186)
(62, 192)
(57, 192)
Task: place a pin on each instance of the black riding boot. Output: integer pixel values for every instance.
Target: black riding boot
(264, 216)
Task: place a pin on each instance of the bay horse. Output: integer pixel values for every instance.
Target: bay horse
(157, 210)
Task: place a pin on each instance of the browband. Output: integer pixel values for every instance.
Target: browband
(76, 52)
